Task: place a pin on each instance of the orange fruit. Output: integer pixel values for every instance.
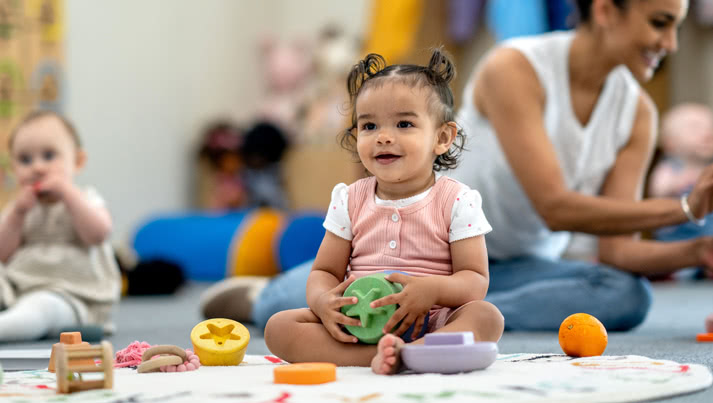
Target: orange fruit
(582, 335)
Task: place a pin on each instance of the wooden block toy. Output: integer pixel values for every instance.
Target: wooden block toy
(308, 373)
(220, 341)
(68, 339)
(69, 367)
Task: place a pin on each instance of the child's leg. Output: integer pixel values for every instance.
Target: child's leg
(298, 336)
(35, 315)
(480, 317)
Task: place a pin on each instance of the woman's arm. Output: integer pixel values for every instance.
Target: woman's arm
(625, 182)
(509, 94)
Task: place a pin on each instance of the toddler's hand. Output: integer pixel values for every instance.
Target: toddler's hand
(415, 300)
(25, 200)
(328, 310)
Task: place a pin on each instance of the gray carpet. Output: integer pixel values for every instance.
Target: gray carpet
(668, 333)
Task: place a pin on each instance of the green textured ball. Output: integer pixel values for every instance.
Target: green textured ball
(368, 289)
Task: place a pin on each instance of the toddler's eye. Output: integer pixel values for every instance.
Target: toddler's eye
(49, 155)
(404, 124)
(368, 126)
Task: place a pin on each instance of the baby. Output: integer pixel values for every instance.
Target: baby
(57, 268)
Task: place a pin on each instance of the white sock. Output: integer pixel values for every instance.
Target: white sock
(36, 315)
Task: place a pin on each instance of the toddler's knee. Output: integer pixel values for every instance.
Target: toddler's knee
(488, 320)
(275, 331)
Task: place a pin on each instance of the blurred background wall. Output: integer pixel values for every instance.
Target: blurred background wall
(145, 76)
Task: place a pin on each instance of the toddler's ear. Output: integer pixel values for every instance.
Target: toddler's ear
(445, 138)
(81, 159)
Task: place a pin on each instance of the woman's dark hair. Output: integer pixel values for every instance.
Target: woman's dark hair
(436, 76)
(584, 8)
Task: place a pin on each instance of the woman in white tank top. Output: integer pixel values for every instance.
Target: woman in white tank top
(561, 136)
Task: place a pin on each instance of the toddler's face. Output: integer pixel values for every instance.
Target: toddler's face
(397, 138)
(43, 147)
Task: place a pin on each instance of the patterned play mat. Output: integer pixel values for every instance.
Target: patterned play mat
(512, 378)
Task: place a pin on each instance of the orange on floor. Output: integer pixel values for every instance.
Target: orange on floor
(582, 335)
(308, 373)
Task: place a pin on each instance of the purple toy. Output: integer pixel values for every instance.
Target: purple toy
(449, 353)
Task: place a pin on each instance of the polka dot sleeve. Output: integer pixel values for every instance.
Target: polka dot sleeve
(337, 221)
(467, 217)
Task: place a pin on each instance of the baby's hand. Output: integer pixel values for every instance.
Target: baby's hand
(328, 310)
(53, 186)
(414, 301)
(25, 200)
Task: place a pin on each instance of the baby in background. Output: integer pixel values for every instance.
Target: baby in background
(406, 217)
(57, 268)
(687, 145)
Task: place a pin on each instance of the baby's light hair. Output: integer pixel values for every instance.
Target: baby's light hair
(373, 72)
(40, 114)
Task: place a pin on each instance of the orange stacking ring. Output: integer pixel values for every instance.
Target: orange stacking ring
(704, 337)
(308, 373)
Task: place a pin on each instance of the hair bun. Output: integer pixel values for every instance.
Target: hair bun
(366, 68)
(441, 69)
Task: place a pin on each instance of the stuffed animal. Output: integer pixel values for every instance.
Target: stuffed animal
(287, 67)
(221, 149)
(324, 112)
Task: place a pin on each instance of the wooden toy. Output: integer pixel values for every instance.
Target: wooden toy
(308, 373)
(67, 339)
(167, 355)
(449, 353)
(220, 341)
(68, 363)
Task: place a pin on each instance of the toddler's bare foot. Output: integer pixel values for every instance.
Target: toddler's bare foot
(388, 355)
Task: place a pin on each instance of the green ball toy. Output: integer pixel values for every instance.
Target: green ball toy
(368, 289)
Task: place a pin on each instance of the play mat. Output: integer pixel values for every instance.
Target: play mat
(512, 378)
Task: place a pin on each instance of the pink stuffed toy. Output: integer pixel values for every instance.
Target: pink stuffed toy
(287, 67)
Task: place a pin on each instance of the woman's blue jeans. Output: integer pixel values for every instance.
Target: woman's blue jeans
(532, 293)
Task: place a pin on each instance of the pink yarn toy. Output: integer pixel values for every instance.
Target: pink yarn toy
(131, 355)
(191, 364)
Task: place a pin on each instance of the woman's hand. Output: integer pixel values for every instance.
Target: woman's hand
(700, 200)
(414, 301)
(705, 254)
(328, 309)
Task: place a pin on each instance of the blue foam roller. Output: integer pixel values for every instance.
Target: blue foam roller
(300, 240)
(198, 242)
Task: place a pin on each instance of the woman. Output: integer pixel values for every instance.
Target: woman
(561, 137)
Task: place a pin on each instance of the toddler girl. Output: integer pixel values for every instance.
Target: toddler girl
(405, 217)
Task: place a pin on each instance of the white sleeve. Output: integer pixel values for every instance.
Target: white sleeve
(337, 220)
(467, 218)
